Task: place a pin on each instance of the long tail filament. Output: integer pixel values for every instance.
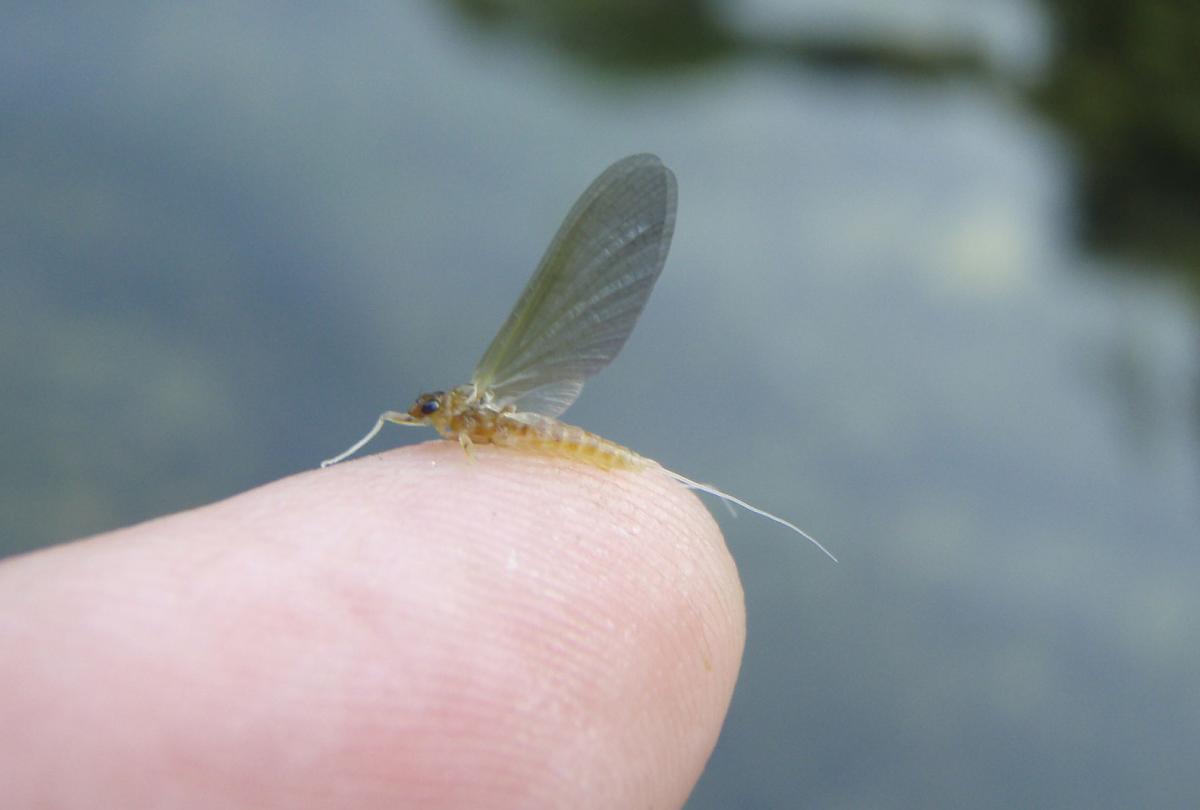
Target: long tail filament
(725, 496)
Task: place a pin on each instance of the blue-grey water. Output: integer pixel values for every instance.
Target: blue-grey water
(231, 235)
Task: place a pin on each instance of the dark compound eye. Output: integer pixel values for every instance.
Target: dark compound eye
(429, 406)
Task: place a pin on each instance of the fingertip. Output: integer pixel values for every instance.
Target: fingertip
(615, 589)
(403, 629)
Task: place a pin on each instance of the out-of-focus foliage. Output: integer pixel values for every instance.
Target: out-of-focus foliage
(1121, 82)
(669, 34)
(1124, 84)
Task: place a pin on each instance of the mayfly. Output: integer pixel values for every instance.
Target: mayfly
(570, 321)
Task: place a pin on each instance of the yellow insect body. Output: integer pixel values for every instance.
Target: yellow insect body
(460, 415)
(548, 435)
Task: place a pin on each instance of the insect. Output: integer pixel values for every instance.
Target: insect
(570, 322)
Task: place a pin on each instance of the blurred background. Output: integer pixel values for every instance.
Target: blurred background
(933, 295)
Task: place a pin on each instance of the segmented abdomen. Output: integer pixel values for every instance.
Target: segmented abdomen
(547, 435)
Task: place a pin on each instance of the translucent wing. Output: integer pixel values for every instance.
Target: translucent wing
(581, 304)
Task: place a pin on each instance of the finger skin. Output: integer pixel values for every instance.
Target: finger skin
(405, 630)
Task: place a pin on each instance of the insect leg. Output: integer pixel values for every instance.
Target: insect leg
(386, 416)
(468, 446)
